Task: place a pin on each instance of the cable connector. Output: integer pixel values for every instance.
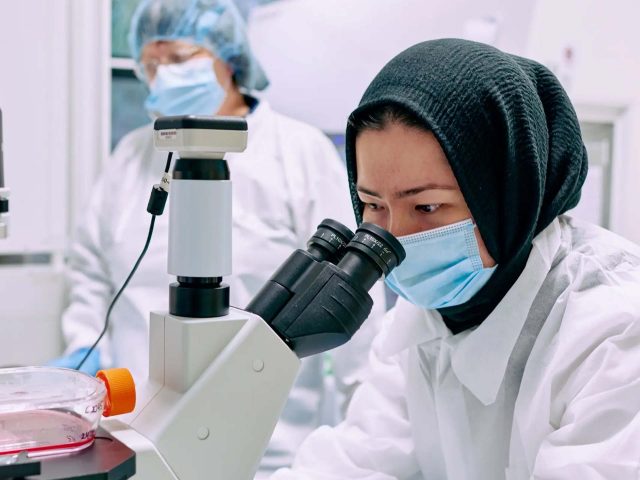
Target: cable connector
(157, 200)
(160, 191)
(166, 181)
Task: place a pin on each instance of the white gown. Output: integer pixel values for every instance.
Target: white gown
(547, 387)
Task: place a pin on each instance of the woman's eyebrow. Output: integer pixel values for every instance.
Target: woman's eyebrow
(409, 192)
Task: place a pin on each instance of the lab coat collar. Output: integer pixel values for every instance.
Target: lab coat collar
(411, 325)
(479, 359)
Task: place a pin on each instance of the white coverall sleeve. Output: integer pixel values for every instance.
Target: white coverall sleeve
(596, 406)
(88, 280)
(374, 442)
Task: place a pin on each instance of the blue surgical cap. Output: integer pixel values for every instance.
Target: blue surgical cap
(213, 24)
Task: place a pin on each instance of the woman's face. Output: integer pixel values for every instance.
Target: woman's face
(406, 184)
(165, 52)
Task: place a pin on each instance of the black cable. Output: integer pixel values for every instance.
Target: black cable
(115, 299)
(135, 267)
(168, 166)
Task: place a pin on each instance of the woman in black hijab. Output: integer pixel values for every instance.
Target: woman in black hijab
(514, 350)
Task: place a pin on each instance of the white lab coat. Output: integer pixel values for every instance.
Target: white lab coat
(547, 387)
(288, 179)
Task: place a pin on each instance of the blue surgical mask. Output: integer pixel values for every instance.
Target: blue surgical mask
(443, 267)
(188, 88)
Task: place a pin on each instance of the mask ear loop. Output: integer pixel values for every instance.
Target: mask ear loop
(475, 227)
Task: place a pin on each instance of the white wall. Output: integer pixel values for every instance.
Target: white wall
(605, 81)
(54, 98)
(321, 55)
(33, 99)
(31, 298)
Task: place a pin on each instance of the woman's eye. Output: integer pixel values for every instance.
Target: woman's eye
(372, 206)
(429, 208)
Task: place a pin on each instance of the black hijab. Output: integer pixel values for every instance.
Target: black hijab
(512, 139)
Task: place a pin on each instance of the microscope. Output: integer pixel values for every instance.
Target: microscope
(4, 194)
(219, 376)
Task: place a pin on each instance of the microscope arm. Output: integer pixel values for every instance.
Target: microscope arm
(216, 389)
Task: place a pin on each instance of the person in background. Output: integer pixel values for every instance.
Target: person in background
(195, 58)
(514, 348)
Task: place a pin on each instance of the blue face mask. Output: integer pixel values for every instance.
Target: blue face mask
(443, 267)
(188, 88)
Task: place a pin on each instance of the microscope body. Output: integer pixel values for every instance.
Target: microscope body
(219, 377)
(215, 391)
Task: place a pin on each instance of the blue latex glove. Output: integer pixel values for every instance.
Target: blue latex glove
(90, 366)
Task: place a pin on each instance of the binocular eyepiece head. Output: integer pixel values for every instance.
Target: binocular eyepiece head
(329, 282)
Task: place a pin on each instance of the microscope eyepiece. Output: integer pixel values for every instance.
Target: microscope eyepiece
(371, 253)
(382, 247)
(330, 241)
